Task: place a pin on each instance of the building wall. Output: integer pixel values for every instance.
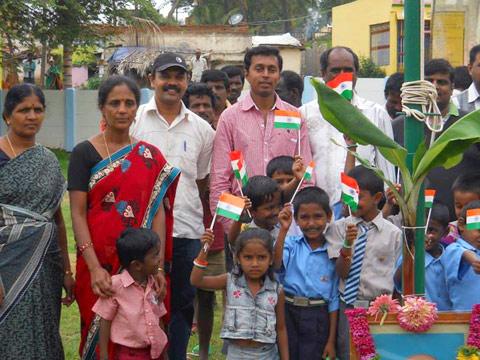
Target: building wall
(471, 25)
(52, 132)
(351, 26)
(351, 23)
(87, 115)
(292, 59)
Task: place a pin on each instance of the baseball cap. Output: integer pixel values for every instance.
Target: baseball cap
(168, 60)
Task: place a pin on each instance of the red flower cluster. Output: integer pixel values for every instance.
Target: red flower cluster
(361, 333)
(474, 332)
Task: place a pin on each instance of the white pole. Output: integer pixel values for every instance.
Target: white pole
(241, 193)
(428, 219)
(205, 247)
(298, 188)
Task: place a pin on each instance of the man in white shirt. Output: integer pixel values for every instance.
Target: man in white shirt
(186, 141)
(469, 100)
(330, 158)
(199, 65)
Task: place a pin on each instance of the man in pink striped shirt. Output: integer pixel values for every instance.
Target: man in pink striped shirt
(248, 126)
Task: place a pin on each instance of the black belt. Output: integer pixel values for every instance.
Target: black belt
(304, 301)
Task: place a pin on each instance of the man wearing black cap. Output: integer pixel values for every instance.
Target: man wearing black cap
(186, 141)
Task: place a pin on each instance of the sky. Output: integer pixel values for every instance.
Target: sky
(165, 5)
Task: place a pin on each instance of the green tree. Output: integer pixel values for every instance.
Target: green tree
(368, 69)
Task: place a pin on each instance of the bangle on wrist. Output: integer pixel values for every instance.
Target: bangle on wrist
(83, 247)
(68, 273)
(200, 265)
(346, 246)
(160, 269)
(353, 146)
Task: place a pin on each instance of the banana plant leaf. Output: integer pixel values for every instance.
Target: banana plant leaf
(351, 122)
(448, 149)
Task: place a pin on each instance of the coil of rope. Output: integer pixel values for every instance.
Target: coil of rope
(423, 93)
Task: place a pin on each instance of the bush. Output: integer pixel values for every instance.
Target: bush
(92, 83)
(368, 69)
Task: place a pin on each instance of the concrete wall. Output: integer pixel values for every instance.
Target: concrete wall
(52, 132)
(87, 115)
(292, 59)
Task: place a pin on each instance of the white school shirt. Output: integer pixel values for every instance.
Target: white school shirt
(186, 144)
(330, 158)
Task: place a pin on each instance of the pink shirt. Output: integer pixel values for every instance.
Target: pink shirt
(241, 127)
(135, 314)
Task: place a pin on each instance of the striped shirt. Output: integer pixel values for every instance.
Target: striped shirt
(241, 127)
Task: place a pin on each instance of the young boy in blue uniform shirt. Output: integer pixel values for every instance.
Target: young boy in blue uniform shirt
(366, 248)
(435, 282)
(462, 264)
(308, 277)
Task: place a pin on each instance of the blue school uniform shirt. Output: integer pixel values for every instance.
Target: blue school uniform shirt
(435, 282)
(309, 273)
(463, 284)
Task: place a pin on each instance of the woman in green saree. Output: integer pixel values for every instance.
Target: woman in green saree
(34, 263)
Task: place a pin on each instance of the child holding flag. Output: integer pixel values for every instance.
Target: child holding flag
(308, 277)
(435, 282)
(365, 245)
(263, 194)
(462, 260)
(254, 321)
(466, 188)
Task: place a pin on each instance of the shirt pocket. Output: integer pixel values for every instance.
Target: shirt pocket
(265, 322)
(285, 142)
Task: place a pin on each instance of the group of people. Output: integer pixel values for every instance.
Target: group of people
(142, 193)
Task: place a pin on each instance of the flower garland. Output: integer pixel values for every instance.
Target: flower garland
(472, 350)
(360, 331)
(417, 314)
(383, 305)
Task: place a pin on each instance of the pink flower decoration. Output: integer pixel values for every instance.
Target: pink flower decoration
(237, 294)
(474, 332)
(271, 300)
(360, 330)
(383, 305)
(417, 314)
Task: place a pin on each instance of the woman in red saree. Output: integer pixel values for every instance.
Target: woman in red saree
(115, 183)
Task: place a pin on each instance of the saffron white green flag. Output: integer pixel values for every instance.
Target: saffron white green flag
(309, 171)
(238, 166)
(350, 191)
(343, 84)
(473, 219)
(429, 197)
(230, 206)
(285, 119)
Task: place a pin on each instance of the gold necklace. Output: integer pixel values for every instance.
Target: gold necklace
(11, 147)
(106, 146)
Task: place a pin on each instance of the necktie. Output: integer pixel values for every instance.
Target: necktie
(353, 280)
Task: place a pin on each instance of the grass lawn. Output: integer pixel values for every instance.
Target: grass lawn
(70, 321)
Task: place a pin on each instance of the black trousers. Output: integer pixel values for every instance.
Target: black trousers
(307, 329)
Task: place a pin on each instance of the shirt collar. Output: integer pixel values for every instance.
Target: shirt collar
(430, 259)
(377, 221)
(152, 106)
(452, 111)
(128, 280)
(359, 102)
(463, 243)
(319, 249)
(472, 93)
(267, 283)
(247, 103)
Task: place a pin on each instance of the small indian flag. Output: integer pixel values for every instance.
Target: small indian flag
(473, 219)
(238, 166)
(429, 196)
(285, 119)
(343, 84)
(230, 206)
(350, 191)
(309, 171)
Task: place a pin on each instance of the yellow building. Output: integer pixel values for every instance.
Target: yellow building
(374, 28)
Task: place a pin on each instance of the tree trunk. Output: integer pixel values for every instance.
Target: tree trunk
(172, 10)
(286, 15)
(67, 66)
(43, 64)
